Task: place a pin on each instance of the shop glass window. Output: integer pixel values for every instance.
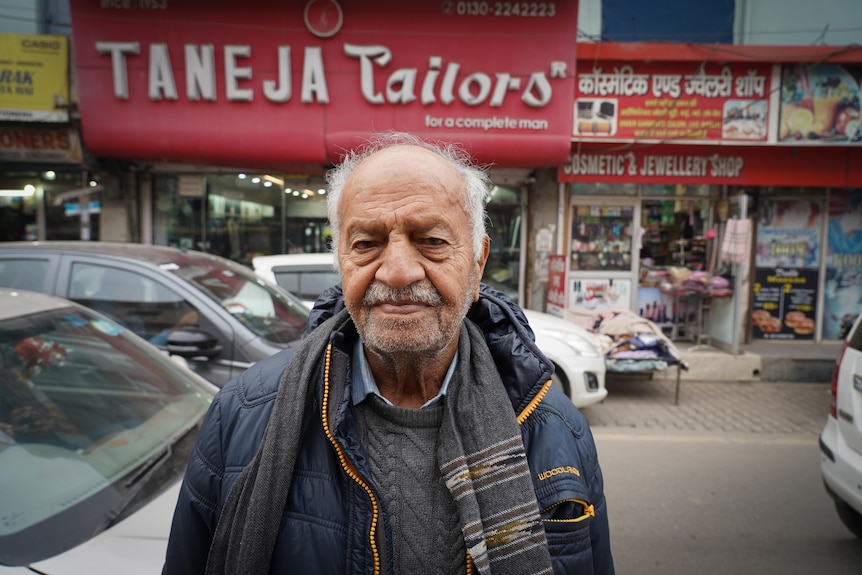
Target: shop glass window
(177, 215)
(677, 190)
(502, 271)
(602, 238)
(601, 189)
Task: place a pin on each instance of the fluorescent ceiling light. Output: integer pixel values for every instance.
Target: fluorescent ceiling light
(28, 191)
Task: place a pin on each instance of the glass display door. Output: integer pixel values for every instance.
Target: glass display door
(602, 265)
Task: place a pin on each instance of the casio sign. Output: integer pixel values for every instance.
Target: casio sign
(40, 44)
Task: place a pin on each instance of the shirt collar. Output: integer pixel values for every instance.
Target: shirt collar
(363, 383)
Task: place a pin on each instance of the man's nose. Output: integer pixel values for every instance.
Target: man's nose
(400, 265)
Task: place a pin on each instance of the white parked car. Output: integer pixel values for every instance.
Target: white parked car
(96, 428)
(580, 365)
(841, 438)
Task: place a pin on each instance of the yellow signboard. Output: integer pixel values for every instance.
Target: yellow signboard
(34, 78)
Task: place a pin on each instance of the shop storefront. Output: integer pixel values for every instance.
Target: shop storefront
(45, 190)
(714, 192)
(232, 113)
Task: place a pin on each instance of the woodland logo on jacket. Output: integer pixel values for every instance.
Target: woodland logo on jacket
(557, 471)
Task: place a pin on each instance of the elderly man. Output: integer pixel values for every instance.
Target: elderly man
(415, 430)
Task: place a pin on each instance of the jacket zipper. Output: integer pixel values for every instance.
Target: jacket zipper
(348, 467)
(589, 511)
(534, 403)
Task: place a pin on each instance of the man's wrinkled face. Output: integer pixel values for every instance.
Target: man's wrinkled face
(408, 269)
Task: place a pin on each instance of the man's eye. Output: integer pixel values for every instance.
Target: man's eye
(363, 245)
(433, 242)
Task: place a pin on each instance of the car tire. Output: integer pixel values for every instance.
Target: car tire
(560, 381)
(851, 518)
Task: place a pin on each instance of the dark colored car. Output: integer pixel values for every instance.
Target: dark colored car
(214, 312)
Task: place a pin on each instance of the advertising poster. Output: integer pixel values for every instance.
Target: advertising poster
(594, 295)
(820, 104)
(788, 234)
(842, 299)
(707, 102)
(35, 84)
(784, 303)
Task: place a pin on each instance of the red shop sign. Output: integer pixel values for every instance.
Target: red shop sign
(279, 82)
(664, 164)
(672, 101)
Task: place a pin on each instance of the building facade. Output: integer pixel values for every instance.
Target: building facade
(621, 147)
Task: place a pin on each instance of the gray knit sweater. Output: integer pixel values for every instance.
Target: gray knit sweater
(401, 444)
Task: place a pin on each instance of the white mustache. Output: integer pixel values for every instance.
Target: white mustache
(379, 293)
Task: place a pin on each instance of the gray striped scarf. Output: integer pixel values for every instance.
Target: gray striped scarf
(483, 462)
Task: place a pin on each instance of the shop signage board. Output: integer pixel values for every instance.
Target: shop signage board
(39, 143)
(821, 104)
(708, 165)
(34, 78)
(267, 82)
(686, 101)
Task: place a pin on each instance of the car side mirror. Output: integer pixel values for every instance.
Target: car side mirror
(190, 341)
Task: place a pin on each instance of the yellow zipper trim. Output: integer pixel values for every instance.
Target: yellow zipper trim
(534, 403)
(589, 511)
(348, 468)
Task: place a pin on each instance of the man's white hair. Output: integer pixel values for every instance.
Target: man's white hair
(477, 184)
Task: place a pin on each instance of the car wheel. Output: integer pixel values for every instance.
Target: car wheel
(851, 518)
(560, 381)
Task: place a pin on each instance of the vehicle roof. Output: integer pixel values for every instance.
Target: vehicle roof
(294, 259)
(145, 252)
(18, 303)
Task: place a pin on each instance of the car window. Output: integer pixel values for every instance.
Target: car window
(306, 284)
(854, 341)
(26, 274)
(135, 301)
(264, 309)
(93, 424)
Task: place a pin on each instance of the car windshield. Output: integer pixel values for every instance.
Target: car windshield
(94, 423)
(268, 312)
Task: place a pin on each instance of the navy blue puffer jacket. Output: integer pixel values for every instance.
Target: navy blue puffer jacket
(333, 515)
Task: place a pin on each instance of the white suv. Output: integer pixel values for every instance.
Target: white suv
(579, 365)
(841, 439)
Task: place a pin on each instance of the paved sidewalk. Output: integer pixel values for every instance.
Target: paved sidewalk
(748, 407)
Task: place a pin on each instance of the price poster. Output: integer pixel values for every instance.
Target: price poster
(784, 305)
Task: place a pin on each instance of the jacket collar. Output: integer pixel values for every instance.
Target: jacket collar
(523, 368)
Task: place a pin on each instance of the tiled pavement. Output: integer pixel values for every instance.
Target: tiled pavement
(749, 407)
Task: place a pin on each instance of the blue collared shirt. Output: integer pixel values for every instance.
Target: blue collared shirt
(363, 383)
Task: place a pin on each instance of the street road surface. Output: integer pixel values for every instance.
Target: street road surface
(725, 483)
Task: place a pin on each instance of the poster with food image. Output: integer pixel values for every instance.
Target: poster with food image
(820, 104)
(784, 303)
(744, 120)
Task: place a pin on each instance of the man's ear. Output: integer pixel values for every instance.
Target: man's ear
(480, 264)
